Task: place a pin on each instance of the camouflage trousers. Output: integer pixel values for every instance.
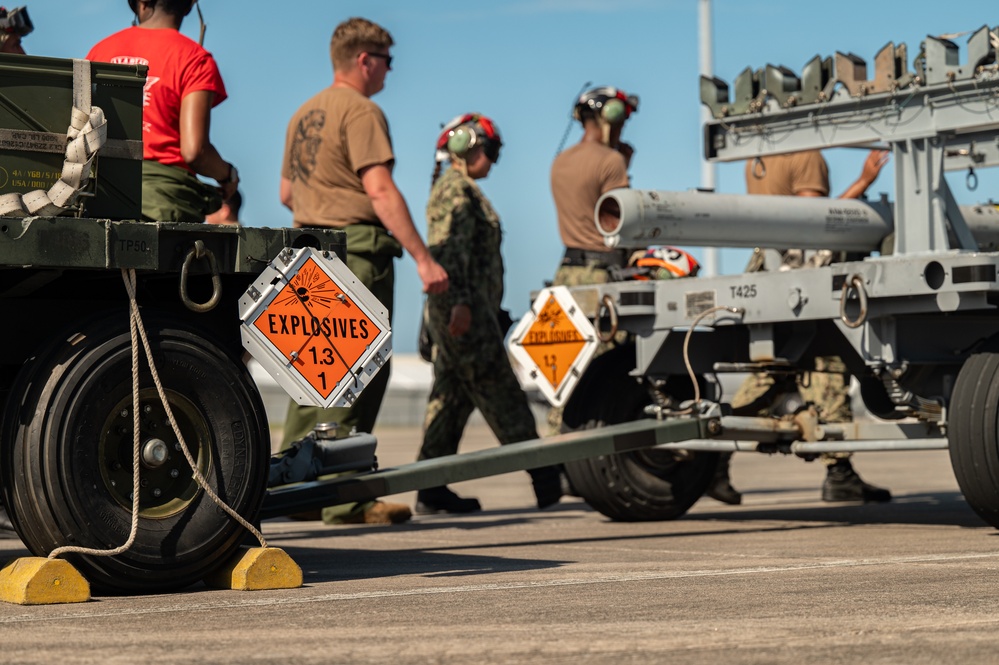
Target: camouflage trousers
(473, 373)
(591, 273)
(828, 388)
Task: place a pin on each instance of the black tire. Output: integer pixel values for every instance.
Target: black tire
(973, 434)
(67, 454)
(645, 485)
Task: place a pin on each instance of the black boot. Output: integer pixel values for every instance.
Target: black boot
(443, 500)
(843, 484)
(567, 488)
(721, 488)
(547, 483)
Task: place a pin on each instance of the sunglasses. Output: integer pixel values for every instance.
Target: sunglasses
(384, 56)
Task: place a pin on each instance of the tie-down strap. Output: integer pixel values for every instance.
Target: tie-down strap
(86, 134)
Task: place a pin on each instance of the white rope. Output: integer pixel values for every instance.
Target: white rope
(130, 285)
(136, 326)
(86, 134)
(133, 331)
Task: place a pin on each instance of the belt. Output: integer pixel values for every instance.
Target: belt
(341, 224)
(581, 257)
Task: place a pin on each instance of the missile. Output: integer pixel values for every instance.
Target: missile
(637, 218)
(631, 218)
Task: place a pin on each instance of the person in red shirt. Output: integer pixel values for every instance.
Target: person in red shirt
(183, 84)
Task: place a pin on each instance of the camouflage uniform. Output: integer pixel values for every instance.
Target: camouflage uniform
(472, 370)
(827, 387)
(591, 273)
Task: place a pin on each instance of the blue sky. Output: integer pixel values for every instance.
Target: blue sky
(521, 62)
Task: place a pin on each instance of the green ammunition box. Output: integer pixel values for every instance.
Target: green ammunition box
(36, 100)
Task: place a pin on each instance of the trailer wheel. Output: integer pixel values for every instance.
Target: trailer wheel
(644, 485)
(973, 433)
(67, 466)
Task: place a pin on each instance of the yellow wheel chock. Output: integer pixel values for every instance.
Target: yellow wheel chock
(36, 580)
(256, 569)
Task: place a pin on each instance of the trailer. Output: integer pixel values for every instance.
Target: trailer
(913, 315)
(71, 284)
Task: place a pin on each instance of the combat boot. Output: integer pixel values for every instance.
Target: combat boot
(380, 512)
(721, 488)
(547, 482)
(443, 500)
(842, 483)
(5, 523)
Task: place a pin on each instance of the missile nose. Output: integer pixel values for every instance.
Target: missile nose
(609, 215)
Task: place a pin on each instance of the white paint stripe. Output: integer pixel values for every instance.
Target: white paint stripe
(181, 606)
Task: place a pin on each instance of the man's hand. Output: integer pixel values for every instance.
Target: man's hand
(433, 275)
(461, 320)
(875, 161)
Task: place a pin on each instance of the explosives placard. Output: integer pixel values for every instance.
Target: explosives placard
(555, 343)
(315, 328)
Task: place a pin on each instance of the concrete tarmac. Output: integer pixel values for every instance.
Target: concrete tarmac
(784, 578)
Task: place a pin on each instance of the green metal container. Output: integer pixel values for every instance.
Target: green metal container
(36, 99)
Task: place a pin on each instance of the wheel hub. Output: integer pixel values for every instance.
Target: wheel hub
(166, 483)
(155, 453)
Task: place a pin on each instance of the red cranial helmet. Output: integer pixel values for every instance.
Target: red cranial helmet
(466, 132)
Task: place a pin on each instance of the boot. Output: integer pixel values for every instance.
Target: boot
(443, 500)
(547, 482)
(843, 484)
(379, 512)
(5, 523)
(567, 487)
(721, 488)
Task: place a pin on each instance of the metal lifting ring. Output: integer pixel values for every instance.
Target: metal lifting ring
(857, 283)
(608, 303)
(972, 180)
(199, 251)
(758, 169)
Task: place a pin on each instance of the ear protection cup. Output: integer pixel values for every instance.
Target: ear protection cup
(466, 132)
(614, 111)
(461, 141)
(607, 104)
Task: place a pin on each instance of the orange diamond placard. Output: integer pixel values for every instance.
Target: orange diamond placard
(315, 329)
(554, 342)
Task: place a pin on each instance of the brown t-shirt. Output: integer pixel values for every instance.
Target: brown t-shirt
(580, 175)
(330, 139)
(788, 175)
